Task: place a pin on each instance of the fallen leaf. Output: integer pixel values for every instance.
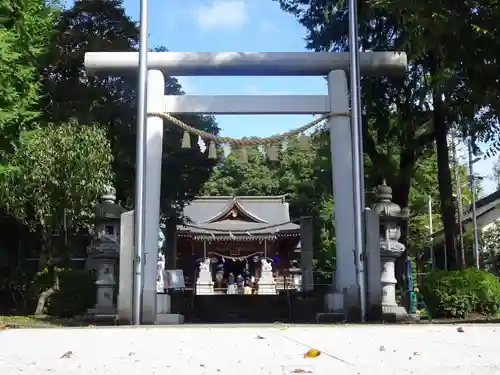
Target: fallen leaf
(382, 348)
(259, 337)
(312, 353)
(460, 329)
(416, 353)
(281, 326)
(68, 354)
(131, 354)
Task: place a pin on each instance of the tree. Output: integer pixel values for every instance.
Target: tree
(305, 178)
(439, 91)
(57, 171)
(299, 174)
(69, 92)
(490, 238)
(24, 31)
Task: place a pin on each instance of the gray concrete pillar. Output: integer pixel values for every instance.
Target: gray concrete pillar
(307, 253)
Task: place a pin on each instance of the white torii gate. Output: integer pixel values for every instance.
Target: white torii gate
(332, 65)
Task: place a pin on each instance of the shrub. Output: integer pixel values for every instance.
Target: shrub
(76, 292)
(458, 293)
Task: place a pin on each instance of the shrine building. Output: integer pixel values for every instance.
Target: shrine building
(245, 240)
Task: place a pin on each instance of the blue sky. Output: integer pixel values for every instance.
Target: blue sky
(239, 26)
(226, 26)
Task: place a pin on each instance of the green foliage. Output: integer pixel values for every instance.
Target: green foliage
(65, 135)
(103, 25)
(459, 293)
(300, 176)
(490, 238)
(445, 86)
(76, 292)
(26, 27)
(58, 171)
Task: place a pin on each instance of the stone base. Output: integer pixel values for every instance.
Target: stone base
(204, 289)
(102, 310)
(373, 312)
(169, 319)
(345, 303)
(330, 317)
(334, 302)
(101, 319)
(162, 303)
(394, 313)
(267, 288)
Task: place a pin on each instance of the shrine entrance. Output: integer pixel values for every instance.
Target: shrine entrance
(333, 108)
(233, 273)
(236, 236)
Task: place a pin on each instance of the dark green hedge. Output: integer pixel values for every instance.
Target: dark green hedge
(456, 294)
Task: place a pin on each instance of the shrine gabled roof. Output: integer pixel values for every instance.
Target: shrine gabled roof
(243, 215)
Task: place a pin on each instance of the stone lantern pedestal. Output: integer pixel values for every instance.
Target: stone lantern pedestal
(391, 216)
(390, 308)
(104, 257)
(103, 253)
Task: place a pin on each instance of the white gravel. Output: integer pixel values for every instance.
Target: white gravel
(191, 350)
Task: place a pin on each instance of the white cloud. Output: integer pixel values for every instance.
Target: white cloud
(222, 14)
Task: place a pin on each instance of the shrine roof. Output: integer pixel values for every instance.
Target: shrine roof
(238, 216)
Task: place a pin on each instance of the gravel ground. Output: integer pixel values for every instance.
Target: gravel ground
(190, 350)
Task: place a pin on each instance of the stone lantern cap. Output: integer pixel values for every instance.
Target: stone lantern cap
(108, 209)
(387, 209)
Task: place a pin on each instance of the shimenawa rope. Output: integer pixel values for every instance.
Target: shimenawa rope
(271, 141)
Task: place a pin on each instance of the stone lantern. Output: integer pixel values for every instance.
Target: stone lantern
(103, 252)
(391, 217)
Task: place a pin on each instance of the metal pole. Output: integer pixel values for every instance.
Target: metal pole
(472, 181)
(459, 207)
(139, 225)
(431, 240)
(357, 141)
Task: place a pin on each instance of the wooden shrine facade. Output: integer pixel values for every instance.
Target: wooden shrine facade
(236, 233)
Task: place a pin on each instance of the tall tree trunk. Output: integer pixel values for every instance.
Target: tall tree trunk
(401, 191)
(444, 181)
